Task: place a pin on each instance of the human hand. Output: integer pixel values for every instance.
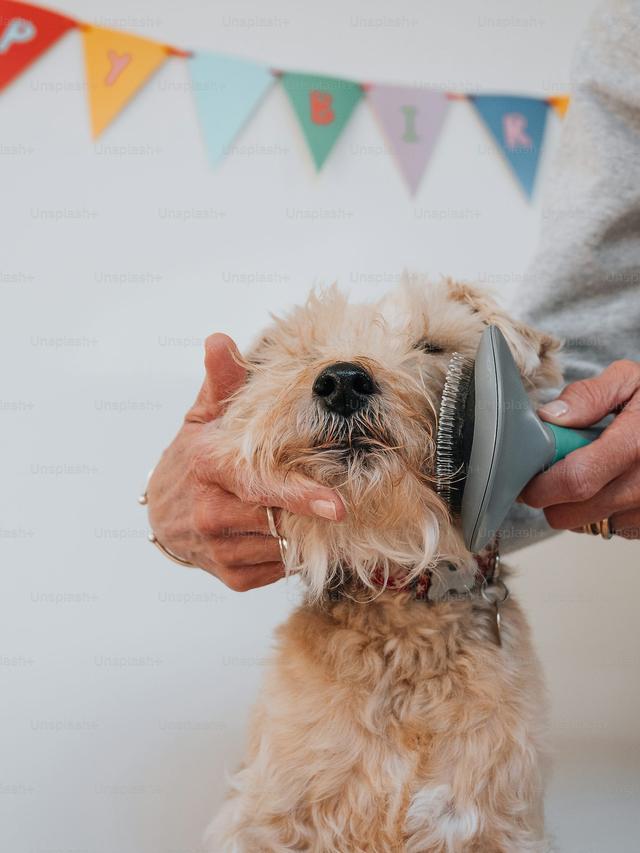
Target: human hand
(601, 480)
(198, 510)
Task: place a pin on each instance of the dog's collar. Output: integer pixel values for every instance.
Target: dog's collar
(445, 582)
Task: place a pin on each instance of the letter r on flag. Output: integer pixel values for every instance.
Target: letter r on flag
(515, 134)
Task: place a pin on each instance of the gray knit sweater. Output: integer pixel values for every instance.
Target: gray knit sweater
(584, 284)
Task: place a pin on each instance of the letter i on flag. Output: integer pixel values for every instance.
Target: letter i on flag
(26, 32)
(517, 125)
(117, 65)
(227, 91)
(323, 106)
(411, 120)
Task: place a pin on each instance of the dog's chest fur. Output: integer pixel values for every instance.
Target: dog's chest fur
(361, 740)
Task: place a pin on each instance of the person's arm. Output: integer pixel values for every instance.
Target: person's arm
(199, 512)
(584, 283)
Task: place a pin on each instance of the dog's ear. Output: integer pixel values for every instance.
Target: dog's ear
(535, 352)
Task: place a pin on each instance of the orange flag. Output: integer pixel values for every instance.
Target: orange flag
(117, 65)
(560, 104)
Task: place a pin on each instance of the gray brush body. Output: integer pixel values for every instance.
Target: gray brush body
(490, 440)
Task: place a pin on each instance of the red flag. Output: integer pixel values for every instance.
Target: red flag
(26, 32)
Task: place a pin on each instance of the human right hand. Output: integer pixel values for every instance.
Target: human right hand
(601, 480)
(199, 511)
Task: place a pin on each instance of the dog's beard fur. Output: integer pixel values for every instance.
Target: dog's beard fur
(381, 459)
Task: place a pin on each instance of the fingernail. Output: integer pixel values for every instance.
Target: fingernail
(325, 509)
(555, 408)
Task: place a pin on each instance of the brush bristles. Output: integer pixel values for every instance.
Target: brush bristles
(449, 461)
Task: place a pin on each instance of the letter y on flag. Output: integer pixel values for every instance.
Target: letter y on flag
(117, 65)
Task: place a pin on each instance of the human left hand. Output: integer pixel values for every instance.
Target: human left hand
(601, 480)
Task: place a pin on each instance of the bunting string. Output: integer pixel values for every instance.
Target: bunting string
(228, 91)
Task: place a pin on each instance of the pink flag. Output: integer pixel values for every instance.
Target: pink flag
(411, 120)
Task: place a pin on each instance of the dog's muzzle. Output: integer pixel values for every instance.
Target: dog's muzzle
(344, 388)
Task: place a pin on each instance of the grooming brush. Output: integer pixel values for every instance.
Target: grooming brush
(490, 441)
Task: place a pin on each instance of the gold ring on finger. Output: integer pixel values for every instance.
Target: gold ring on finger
(273, 530)
(606, 528)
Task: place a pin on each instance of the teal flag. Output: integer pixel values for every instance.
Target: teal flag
(226, 91)
(323, 106)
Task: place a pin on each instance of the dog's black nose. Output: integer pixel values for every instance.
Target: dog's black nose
(344, 387)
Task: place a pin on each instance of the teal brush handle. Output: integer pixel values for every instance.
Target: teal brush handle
(568, 440)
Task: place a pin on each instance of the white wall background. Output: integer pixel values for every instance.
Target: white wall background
(125, 680)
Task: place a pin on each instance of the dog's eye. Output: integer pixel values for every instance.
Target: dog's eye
(429, 346)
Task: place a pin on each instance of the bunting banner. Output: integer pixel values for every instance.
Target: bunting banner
(411, 120)
(228, 90)
(25, 33)
(323, 106)
(117, 66)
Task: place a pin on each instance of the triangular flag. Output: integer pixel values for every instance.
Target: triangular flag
(560, 103)
(26, 32)
(517, 125)
(323, 106)
(412, 120)
(117, 64)
(227, 90)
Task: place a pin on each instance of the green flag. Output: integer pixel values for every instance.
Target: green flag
(323, 106)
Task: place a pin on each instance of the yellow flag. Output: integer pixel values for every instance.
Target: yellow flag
(560, 104)
(117, 65)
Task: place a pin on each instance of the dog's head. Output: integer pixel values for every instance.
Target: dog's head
(348, 395)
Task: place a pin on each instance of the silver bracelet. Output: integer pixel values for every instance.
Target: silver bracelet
(143, 500)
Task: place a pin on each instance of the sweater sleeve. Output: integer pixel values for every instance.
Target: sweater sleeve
(584, 283)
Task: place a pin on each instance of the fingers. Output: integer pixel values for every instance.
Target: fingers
(240, 551)
(584, 403)
(296, 493)
(583, 473)
(248, 577)
(621, 495)
(220, 514)
(223, 376)
(243, 562)
(627, 524)
(624, 524)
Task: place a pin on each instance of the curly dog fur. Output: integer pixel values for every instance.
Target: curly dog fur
(386, 724)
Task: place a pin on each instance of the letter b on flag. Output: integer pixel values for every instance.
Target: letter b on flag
(321, 104)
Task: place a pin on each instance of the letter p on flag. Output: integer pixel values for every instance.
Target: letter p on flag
(17, 31)
(26, 32)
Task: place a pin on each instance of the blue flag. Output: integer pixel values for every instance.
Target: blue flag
(227, 91)
(517, 125)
